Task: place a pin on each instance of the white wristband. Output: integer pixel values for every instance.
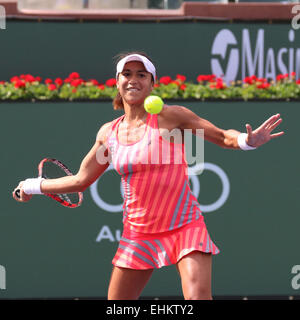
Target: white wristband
(33, 186)
(242, 142)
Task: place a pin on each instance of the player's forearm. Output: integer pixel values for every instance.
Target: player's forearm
(67, 184)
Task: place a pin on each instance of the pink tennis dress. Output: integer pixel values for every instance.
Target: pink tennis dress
(162, 218)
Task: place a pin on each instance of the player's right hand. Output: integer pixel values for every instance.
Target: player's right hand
(23, 196)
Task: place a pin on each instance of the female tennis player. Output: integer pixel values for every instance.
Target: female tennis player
(162, 219)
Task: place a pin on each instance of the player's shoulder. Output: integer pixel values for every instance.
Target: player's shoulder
(175, 116)
(172, 112)
(106, 126)
(104, 131)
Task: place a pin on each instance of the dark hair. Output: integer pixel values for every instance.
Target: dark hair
(118, 101)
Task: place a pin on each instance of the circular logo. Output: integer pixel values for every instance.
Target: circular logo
(225, 56)
(192, 176)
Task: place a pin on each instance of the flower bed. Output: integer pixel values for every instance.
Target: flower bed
(207, 87)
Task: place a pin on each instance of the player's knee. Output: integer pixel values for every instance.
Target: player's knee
(196, 290)
(199, 293)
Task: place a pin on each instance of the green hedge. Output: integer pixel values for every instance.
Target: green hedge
(207, 87)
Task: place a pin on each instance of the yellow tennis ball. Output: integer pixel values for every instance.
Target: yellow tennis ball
(153, 104)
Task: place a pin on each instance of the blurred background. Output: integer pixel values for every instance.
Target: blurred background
(249, 199)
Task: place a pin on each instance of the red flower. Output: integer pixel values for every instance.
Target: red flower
(298, 81)
(220, 85)
(263, 80)
(94, 82)
(52, 87)
(180, 77)
(101, 87)
(248, 80)
(252, 79)
(29, 78)
(182, 87)
(111, 82)
(263, 86)
(76, 82)
(202, 77)
(267, 85)
(48, 81)
(14, 79)
(74, 75)
(39, 79)
(293, 74)
(165, 80)
(67, 80)
(74, 90)
(58, 81)
(2, 82)
(211, 78)
(282, 76)
(156, 85)
(20, 84)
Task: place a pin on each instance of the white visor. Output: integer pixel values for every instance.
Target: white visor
(137, 57)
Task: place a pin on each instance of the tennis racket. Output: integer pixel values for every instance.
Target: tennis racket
(51, 169)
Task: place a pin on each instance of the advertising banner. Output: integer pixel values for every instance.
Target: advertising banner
(230, 50)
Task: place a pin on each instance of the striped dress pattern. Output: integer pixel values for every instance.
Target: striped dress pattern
(161, 216)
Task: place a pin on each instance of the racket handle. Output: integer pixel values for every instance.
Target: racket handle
(17, 193)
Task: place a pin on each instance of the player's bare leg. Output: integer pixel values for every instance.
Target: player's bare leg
(195, 272)
(127, 284)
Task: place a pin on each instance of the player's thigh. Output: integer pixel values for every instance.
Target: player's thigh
(195, 272)
(127, 284)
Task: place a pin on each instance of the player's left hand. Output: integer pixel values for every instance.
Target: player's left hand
(263, 134)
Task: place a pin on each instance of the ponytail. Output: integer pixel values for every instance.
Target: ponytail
(118, 102)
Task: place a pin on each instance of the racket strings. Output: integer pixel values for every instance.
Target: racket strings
(65, 197)
(52, 170)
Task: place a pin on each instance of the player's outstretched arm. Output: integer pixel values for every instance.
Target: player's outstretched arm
(184, 118)
(93, 165)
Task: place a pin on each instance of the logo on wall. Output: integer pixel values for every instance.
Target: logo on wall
(233, 55)
(107, 233)
(104, 205)
(222, 46)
